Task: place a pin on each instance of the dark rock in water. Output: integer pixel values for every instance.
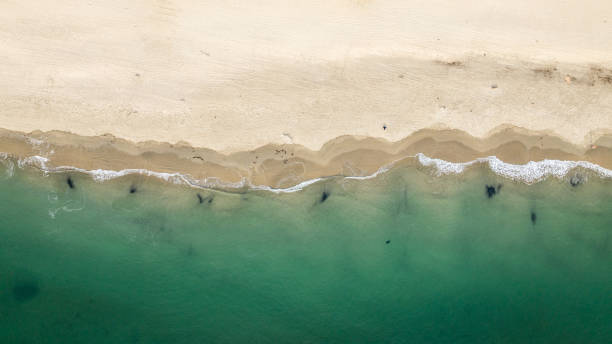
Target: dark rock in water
(576, 180)
(490, 190)
(534, 217)
(324, 196)
(133, 189)
(388, 242)
(200, 198)
(70, 183)
(24, 291)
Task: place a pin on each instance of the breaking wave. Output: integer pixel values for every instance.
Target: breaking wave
(530, 172)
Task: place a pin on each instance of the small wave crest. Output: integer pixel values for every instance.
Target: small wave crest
(530, 172)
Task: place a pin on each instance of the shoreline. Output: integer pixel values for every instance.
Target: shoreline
(511, 152)
(257, 92)
(310, 104)
(258, 73)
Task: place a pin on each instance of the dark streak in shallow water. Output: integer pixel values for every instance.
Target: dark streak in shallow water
(534, 217)
(133, 189)
(324, 196)
(201, 199)
(490, 190)
(70, 182)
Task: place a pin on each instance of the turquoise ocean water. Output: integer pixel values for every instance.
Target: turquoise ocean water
(406, 257)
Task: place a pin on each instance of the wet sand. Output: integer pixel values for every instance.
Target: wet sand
(234, 77)
(278, 94)
(281, 166)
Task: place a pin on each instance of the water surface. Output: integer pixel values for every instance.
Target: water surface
(405, 257)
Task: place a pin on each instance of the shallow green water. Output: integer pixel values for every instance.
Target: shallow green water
(97, 264)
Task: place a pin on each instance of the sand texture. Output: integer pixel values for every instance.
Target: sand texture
(233, 77)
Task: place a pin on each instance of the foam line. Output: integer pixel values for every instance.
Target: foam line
(530, 172)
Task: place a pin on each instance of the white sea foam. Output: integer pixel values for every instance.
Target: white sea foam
(294, 188)
(34, 142)
(36, 161)
(381, 170)
(531, 172)
(8, 165)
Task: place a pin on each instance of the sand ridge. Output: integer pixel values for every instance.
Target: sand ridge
(239, 75)
(281, 166)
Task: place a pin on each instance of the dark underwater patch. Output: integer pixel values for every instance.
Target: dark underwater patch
(133, 189)
(207, 199)
(534, 217)
(576, 180)
(25, 291)
(70, 182)
(388, 242)
(324, 196)
(490, 190)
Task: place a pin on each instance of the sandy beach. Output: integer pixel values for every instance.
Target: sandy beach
(279, 94)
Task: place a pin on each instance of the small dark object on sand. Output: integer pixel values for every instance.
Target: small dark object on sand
(534, 217)
(70, 182)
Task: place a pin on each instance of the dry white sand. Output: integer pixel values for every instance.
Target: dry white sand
(235, 75)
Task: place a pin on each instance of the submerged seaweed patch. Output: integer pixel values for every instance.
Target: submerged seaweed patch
(207, 199)
(25, 290)
(490, 190)
(576, 179)
(324, 196)
(190, 250)
(70, 182)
